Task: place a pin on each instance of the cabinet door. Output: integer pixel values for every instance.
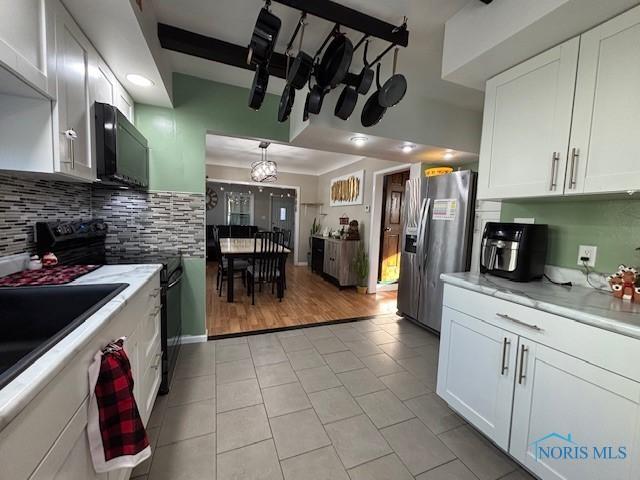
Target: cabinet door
(26, 35)
(104, 86)
(526, 128)
(476, 371)
(124, 103)
(73, 52)
(561, 401)
(606, 120)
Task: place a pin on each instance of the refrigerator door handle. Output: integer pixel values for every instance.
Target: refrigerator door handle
(420, 244)
(425, 233)
(424, 230)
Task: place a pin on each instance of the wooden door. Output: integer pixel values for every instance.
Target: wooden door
(561, 401)
(605, 140)
(527, 124)
(391, 235)
(475, 373)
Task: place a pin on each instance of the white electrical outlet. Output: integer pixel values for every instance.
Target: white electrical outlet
(589, 252)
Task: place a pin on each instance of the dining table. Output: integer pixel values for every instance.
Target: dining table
(244, 248)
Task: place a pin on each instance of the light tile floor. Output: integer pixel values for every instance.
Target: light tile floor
(352, 401)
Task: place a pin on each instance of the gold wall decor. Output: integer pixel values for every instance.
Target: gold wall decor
(347, 190)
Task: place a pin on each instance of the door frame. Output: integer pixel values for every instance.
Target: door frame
(376, 220)
(296, 239)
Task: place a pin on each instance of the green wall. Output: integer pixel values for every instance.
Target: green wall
(177, 155)
(612, 225)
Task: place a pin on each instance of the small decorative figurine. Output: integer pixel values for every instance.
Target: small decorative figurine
(353, 233)
(49, 260)
(623, 284)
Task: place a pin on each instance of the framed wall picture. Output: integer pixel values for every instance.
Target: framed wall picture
(347, 190)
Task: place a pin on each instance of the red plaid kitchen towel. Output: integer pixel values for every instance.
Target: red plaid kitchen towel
(116, 434)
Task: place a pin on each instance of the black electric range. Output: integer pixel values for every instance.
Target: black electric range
(83, 242)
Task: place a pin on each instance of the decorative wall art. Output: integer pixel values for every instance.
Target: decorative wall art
(347, 190)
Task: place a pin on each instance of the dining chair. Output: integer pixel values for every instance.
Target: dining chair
(239, 266)
(265, 264)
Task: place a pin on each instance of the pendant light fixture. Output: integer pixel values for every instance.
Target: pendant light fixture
(264, 170)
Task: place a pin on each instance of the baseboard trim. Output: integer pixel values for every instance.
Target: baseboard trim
(297, 327)
(186, 339)
(301, 264)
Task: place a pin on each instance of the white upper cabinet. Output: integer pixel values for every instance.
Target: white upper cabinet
(26, 41)
(526, 128)
(72, 134)
(124, 103)
(607, 109)
(104, 86)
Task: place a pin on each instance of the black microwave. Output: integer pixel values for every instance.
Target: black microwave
(122, 152)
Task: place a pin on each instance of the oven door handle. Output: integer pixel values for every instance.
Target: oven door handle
(177, 280)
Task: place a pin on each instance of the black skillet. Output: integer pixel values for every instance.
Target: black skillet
(365, 79)
(394, 89)
(302, 65)
(316, 97)
(286, 100)
(335, 61)
(346, 103)
(373, 112)
(264, 37)
(259, 87)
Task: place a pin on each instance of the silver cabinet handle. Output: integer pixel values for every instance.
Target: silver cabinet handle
(156, 365)
(505, 367)
(521, 375)
(554, 171)
(519, 322)
(573, 172)
(71, 135)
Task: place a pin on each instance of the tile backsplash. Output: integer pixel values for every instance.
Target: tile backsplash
(26, 200)
(139, 222)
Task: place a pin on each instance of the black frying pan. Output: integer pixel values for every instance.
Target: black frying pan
(259, 87)
(316, 97)
(373, 112)
(305, 113)
(394, 89)
(346, 103)
(365, 79)
(335, 62)
(286, 103)
(302, 65)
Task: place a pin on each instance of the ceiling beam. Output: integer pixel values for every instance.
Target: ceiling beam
(194, 44)
(348, 17)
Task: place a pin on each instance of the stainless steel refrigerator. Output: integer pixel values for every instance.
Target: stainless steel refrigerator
(438, 227)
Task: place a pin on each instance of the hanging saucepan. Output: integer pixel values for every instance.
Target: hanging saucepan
(346, 103)
(365, 79)
(316, 97)
(394, 89)
(264, 38)
(259, 87)
(286, 100)
(305, 113)
(302, 65)
(373, 112)
(335, 61)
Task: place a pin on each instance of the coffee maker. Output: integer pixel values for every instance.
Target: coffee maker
(516, 251)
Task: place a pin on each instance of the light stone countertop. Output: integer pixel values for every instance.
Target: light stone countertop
(585, 305)
(20, 391)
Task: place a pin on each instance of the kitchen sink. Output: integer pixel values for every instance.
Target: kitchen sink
(34, 319)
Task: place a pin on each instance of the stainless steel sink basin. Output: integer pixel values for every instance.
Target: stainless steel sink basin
(33, 319)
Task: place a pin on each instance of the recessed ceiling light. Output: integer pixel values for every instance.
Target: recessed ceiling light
(408, 148)
(448, 150)
(448, 156)
(139, 80)
(359, 140)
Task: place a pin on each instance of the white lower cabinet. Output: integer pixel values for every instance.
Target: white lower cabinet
(567, 413)
(475, 374)
(564, 415)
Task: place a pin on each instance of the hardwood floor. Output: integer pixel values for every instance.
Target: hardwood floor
(308, 299)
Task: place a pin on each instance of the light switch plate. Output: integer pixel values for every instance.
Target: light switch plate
(366, 208)
(589, 251)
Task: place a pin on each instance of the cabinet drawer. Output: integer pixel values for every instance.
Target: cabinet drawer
(606, 349)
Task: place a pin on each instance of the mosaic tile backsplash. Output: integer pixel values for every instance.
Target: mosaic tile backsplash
(138, 222)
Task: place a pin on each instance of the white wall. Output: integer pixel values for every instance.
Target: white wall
(483, 40)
